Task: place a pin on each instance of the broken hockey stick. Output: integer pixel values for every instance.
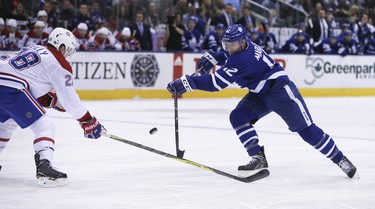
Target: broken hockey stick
(257, 176)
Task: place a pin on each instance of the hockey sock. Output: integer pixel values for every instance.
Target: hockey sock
(44, 147)
(322, 142)
(241, 119)
(249, 138)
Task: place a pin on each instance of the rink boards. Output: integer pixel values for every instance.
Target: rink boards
(124, 75)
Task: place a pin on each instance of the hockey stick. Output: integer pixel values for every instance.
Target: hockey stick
(257, 176)
(179, 153)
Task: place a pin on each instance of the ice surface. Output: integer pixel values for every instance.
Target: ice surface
(106, 174)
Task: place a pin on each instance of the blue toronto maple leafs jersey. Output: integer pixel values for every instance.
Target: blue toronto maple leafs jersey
(251, 68)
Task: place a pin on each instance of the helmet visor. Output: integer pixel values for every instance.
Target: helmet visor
(231, 46)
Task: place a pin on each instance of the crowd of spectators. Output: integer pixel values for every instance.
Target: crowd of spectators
(333, 27)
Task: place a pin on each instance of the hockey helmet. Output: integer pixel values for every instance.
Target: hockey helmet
(126, 32)
(82, 26)
(12, 23)
(234, 33)
(61, 36)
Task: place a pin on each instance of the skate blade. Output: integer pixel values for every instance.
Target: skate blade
(47, 182)
(244, 174)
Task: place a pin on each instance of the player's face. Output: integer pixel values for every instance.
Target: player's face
(39, 30)
(82, 32)
(231, 47)
(300, 38)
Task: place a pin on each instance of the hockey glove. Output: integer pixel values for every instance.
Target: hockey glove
(181, 85)
(92, 128)
(207, 62)
(50, 100)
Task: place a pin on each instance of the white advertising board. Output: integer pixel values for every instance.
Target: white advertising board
(113, 70)
(326, 71)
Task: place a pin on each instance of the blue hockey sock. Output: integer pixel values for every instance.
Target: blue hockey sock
(241, 119)
(249, 138)
(322, 142)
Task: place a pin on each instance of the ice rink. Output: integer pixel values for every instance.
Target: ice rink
(107, 174)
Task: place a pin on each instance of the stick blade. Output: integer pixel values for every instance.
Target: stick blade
(180, 153)
(257, 176)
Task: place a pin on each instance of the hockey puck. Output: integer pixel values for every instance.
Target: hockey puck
(153, 130)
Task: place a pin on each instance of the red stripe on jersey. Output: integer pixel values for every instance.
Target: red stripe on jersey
(61, 59)
(31, 98)
(43, 139)
(25, 83)
(4, 140)
(86, 117)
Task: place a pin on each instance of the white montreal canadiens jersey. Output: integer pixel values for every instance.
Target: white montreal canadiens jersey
(40, 69)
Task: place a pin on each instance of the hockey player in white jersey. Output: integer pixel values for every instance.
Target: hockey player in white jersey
(37, 77)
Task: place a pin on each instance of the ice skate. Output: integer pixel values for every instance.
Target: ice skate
(47, 175)
(258, 162)
(348, 168)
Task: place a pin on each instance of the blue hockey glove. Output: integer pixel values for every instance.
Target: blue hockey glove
(207, 62)
(181, 85)
(92, 128)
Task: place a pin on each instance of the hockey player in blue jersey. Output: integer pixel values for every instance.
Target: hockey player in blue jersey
(270, 90)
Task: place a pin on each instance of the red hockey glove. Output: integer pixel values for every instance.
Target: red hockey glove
(50, 100)
(92, 128)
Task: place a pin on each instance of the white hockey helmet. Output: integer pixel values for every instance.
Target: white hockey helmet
(39, 24)
(12, 23)
(82, 26)
(62, 36)
(42, 13)
(126, 32)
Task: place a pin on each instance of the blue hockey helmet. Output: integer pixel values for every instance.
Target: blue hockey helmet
(234, 32)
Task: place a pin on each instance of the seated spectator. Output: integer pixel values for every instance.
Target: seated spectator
(100, 40)
(363, 29)
(348, 45)
(82, 35)
(370, 47)
(125, 42)
(96, 13)
(51, 12)
(255, 37)
(42, 16)
(2, 27)
(327, 46)
(202, 20)
(20, 12)
(192, 39)
(270, 44)
(11, 36)
(247, 20)
(226, 18)
(67, 15)
(213, 39)
(345, 28)
(297, 45)
(35, 36)
(83, 16)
